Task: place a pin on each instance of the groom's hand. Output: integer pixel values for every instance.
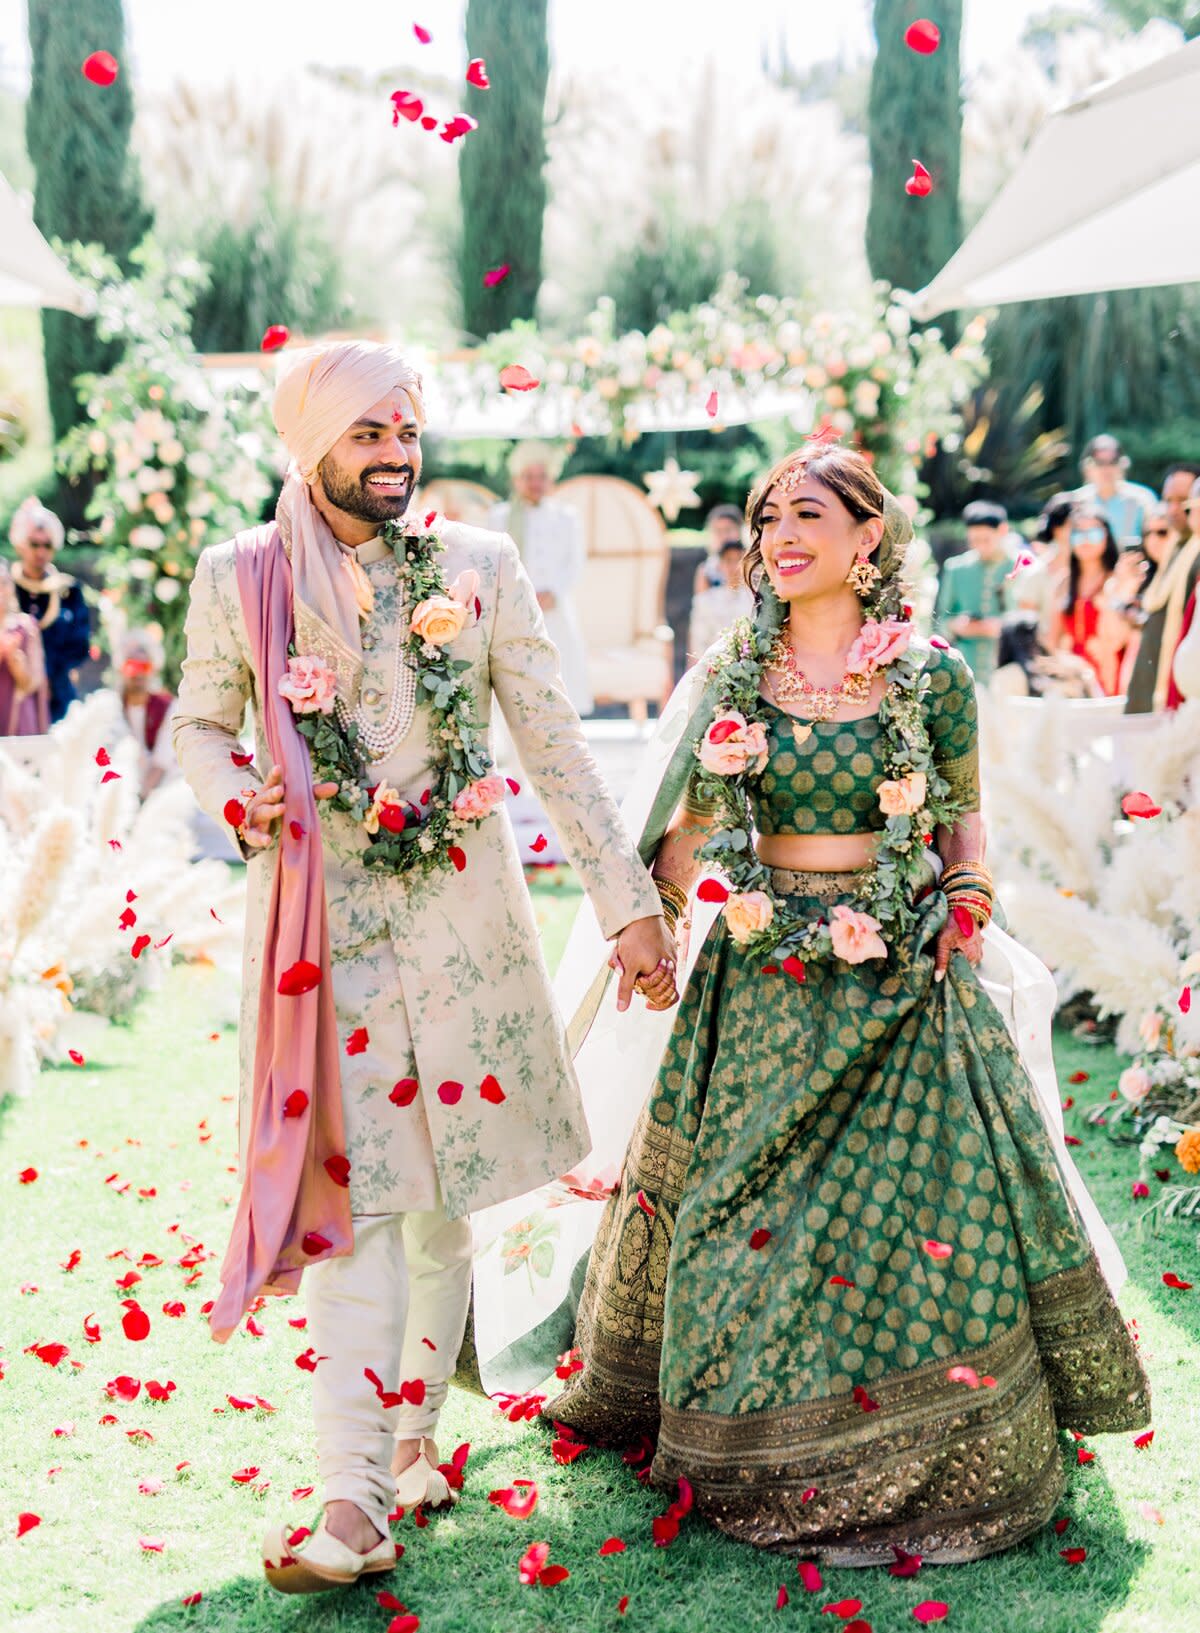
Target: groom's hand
(645, 957)
(262, 809)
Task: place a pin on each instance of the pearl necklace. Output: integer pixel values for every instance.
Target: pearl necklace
(379, 737)
(794, 686)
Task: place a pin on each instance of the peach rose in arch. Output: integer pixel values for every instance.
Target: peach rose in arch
(479, 799)
(855, 935)
(748, 915)
(903, 796)
(731, 743)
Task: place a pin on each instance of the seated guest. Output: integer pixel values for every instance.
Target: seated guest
(1175, 565)
(24, 695)
(1087, 622)
(723, 525)
(1122, 504)
(148, 709)
(718, 605)
(53, 599)
(973, 589)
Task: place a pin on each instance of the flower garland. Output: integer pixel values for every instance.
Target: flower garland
(407, 837)
(914, 797)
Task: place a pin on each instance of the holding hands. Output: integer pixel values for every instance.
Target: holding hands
(645, 957)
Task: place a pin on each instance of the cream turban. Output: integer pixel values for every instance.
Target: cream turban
(317, 399)
(33, 517)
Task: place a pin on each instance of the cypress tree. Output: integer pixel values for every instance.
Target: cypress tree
(87, 190)
(914, 112)
(501, 165)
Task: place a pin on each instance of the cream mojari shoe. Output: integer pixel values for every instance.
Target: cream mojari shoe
(322, 1563)
(422, 1484)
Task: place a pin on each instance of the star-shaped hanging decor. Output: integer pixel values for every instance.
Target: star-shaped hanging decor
(671, 489)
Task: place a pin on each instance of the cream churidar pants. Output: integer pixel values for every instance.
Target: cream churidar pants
(408, 1279)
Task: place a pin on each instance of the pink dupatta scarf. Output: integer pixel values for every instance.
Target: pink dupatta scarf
(291, 1211)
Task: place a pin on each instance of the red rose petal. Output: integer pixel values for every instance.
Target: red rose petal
(517, 1504)
(1140, 805)
(27, 1176)
(174, 1308)
(234, 812)
(191, 1599)
(613, 1545)
(405, 1092)
(539, 844)
(795, 968)
(300, 978)
(1185, 1000)
(1060, 1525)
(243, 1477)
(1139, 1190)
(239, 759)
(139, 946)
(1085, 1456)
(135, 1323)
(1170, 1279)
(274, 337)
(101, 68)
(450, 1093)
(151, 1545)
(930, 1610)
(904, 1564)
(26, 1522)
(296, 831)
(566, 1451)
(496, 275)
(963, 922)
(781, 1598)
(647, 1207)
(477, 74)
(1074, 1556)
(759, 1238)
(422, 33)
(296, 1104)
(458, 857)
(406, 105)
(710, 408)
(532, 1561)
(491, 1091)
(843, 1608)
(338, 1169)
(841, 1281)
(920, 183)
(712, 890)
(75, 1057)
(1143, 1440)
(357, 1042)
(308, 1360)
(810, 1576)
(103, 757)
(516, 377)
(939, 1250)
(864, 1400)
(315, 1243)
(963, 1375)
(923, 36)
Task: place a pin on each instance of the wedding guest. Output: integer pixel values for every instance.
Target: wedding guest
(723, 525)
(1122, 504)
(973, 588)
(24, 695)
(549, 538)
(716, 606)
(149, 709)
(1087, 622)
(53, 599)
(1184, 684)
(1176, 491)
(1052, 553)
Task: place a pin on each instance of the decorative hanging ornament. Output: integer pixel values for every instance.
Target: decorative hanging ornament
(920, 183)
(101, 68)
(923, 36)
(672, 490)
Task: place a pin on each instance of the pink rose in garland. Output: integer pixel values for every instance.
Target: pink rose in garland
(904, 795)
(748, 914)
(479, 799)
(309, 686)
(880, 642)
(731, 743)
(855, 936)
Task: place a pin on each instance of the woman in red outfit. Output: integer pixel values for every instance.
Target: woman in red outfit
(1087, 623)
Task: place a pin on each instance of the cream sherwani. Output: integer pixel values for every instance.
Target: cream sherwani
(444, 972)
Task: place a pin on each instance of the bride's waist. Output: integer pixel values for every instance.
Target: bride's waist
(817, 853)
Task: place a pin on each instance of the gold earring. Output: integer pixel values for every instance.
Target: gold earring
(863, 576)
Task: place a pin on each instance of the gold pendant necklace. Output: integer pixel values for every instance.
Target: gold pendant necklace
(791, 685)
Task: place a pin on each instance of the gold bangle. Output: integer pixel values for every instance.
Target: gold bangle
(978, 870)
(670, 890)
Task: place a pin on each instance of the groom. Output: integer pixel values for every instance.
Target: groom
(402, 1061)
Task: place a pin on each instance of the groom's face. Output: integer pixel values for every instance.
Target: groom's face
(372, 469)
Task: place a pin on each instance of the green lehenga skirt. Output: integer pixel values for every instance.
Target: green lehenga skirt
(761, 1297)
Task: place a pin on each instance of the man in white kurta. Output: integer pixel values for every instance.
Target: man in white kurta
(549, 539)
(438, 981)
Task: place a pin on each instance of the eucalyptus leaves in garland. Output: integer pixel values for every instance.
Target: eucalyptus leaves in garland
(406, 836)
(732, 753)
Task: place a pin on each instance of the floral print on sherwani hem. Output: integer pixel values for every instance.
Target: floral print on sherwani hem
(762, 1293)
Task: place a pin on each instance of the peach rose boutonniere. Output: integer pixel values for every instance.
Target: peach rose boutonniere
(479, 799)
(731, 745)
(855, 936)
(439, 619)
(748, 915)
(903, 796)
(310, 686)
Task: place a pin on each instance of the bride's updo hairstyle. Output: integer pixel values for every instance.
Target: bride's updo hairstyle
(850, 476)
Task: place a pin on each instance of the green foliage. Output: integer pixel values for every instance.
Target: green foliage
(175, 463)
(680, 262)
(914, 112)
(280, 267)
(1135, 14)
(87, 189)
(501, 165)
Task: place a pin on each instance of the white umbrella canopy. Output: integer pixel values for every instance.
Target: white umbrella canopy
(30, 272)
(1107, 197)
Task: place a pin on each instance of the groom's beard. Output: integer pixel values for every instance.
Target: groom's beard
(354, 494)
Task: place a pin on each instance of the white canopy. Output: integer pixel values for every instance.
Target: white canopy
(1107, 197)
(30, 272)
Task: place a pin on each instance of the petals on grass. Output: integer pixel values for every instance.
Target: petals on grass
(518, 1501)
(532, 1562)
(75, 1057)
(243, 1477)
(1170, 1279)
(904, 1564)
(566, 1451)
(151, 1545)
(26, 1522)
(135, 1323)
(844, 1608)
(308, 1360)
(1139, 1190)
(1143, 1440)
(1149, 1512)
(516, 377)
(1074, 1556)
(781, 1599)
(160, 1392)
(613, 1545)
(174, 1308)
(810, 1577)
(50, 1354)
(123, 1388)
(190, 1599)
(930, 1610)
(300, 978)
(275, 337)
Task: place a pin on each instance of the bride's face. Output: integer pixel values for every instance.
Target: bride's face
(810, 540)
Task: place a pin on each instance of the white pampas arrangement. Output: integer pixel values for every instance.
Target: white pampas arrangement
(78, 852)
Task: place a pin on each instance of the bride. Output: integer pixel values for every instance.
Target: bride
(843, 1280)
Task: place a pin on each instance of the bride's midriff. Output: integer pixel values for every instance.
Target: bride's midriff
(816, 853)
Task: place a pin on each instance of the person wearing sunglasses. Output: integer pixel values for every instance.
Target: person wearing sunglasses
(1121, 503)
(1088, 623)
(52, 599)
(1160, 606)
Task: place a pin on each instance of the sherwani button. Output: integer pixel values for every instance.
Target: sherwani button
(371, 697)
(368, 642)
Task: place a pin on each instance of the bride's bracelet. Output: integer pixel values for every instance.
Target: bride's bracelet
(674, 899)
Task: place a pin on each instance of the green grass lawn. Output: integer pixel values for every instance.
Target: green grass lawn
(153, 1105)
